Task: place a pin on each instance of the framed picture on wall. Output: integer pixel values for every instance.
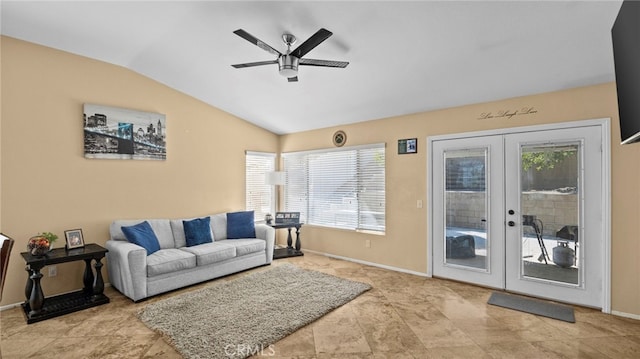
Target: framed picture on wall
(409, 145)
(119, 133)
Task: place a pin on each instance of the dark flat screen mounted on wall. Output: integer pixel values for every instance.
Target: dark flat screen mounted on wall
(625, 36)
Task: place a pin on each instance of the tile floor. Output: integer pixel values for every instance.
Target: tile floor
(403, 316)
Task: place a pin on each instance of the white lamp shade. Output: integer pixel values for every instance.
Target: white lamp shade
(275, 178)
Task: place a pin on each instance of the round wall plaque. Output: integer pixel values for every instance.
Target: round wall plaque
(339, 138)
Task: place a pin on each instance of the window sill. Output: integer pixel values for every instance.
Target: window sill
(363, 231)
(376, 233)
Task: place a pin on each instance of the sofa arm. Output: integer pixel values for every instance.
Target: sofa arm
(127, 268)
(267, 233)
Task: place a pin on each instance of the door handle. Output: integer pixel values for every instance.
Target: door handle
(511, 223)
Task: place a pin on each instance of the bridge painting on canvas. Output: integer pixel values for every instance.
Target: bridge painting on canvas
(118, 133)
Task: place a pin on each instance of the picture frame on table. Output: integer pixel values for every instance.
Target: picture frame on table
(74, 238)
(287, 217)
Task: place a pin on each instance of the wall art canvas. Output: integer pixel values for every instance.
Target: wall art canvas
(118, 133)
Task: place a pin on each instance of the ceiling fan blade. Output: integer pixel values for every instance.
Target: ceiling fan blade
(252, 64)
(315, 40)
(293, 79)
(254, 40)
(323, 63)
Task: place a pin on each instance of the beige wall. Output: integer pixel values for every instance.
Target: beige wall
(1, 39)
(47, 184)
(405, 243)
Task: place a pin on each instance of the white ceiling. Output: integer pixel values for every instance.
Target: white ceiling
(405, 57)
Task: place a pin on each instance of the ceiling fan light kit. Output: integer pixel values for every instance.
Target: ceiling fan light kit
(288, 65)
(288, 62)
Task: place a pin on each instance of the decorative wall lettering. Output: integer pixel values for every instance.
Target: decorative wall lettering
(508, 114)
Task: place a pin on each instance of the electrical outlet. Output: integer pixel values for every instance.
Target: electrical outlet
(53, 271)
(367, 243)
(419, 203)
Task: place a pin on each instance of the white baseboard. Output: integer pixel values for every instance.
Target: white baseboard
(9, 306)
(383, 266)
(626, 315)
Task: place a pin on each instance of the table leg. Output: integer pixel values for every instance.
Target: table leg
(29, 286)
(87, 279)
(289, 239)
(36, 300)
(98, 284)
(298, 242)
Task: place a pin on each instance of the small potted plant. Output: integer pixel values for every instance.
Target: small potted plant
(41, 243)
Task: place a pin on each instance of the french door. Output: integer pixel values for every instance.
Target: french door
(521, 211)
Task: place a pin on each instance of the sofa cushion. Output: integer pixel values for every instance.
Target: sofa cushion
(246, 245)
(177, 228)
(161, 228)
(142, 234)
(219, 226)
(240, 225)
(211, 252)
(197, 231)
(169, 261)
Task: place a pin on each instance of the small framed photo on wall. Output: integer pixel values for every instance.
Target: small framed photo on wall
(74, 238)
(409, 145)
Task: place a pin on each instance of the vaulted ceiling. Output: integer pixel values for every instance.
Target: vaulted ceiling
(405, 56)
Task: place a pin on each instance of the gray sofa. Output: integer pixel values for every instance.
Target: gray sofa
(175, 265)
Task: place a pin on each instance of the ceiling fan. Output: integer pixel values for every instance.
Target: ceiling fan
(288, 62)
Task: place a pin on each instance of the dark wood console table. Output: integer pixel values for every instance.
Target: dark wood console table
(37, 308)
(290, 251)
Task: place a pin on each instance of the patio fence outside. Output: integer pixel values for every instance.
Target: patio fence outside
(466, 209)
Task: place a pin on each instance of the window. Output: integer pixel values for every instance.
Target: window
(340, 188)
(260, 197)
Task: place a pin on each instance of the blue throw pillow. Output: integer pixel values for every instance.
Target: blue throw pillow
(240, 225)
(197, 231)
(142, 234)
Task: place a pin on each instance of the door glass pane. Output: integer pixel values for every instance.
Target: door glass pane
(549, 199)
(466, 208)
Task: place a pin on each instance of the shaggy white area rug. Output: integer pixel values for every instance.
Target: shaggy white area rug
(245, 316)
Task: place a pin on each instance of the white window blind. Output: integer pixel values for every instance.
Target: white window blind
(260, 197)
(340, 188)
